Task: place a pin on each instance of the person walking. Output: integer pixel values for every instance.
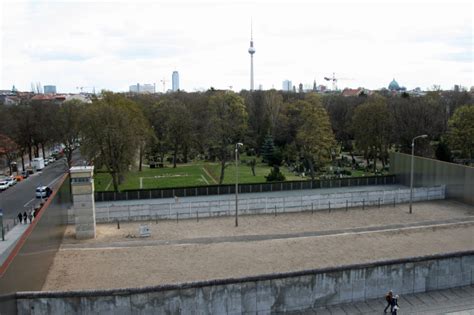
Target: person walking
(394, 305)
(25, 218)
(388, 298)
(20, 217)
(30, 217)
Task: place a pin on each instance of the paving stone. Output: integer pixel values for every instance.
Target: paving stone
(336, 310)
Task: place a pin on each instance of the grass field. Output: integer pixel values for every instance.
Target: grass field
(194, 174)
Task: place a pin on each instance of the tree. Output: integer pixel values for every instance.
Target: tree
(68, 126)
(111, 133)
(268, 149)
(177, 125)
(315, 137)
(228, 121)
(461, 131)
(371, 125)
(8, 148)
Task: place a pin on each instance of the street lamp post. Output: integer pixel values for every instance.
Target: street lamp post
(237, 145)
(411, 171)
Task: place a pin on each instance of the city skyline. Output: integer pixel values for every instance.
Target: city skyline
(106, 47)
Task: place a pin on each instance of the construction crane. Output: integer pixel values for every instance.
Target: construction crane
(164, 84)
(334, 80)
(84, 87)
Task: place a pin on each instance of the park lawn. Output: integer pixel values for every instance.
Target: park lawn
(245, 173)
(182, 175)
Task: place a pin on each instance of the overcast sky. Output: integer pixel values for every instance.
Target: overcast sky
(113, 44)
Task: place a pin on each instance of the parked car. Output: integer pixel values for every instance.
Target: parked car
(25, 174)
(11, 180)
(51, 159)
(43, 192)
(4, 185)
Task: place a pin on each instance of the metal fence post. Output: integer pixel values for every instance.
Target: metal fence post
(312, 210)
(197, 216)
(275, 210)
(347, 204)
(363, 204)
(329, 203)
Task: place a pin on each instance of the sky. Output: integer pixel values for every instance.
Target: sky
(114, 44)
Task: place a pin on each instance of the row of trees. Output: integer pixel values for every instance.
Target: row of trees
(117, 130)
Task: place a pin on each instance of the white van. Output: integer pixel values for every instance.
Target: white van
(38, 163)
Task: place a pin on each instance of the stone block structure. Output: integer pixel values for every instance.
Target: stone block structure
(82, 186)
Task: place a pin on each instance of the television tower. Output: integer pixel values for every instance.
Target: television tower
(251, 52)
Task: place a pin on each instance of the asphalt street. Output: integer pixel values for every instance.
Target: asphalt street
(21, 196)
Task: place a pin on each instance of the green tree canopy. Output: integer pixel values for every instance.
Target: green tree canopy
(228, 121)
(371, 125)
(112, 128)
(461, 131)
(315, 137)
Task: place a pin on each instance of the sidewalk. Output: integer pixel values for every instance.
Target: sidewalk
(11, 238)
(457, 301)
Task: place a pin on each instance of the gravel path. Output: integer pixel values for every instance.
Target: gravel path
(88, 267)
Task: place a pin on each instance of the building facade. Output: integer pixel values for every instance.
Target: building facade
(142, 88)
(175, 81)
(287, 86)
(49, 89)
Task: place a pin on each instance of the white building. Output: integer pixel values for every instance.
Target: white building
(287, 86)
(175, 81)
(142, 88)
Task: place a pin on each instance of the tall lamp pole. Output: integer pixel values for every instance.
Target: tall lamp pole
(237, 145)
(411, 172)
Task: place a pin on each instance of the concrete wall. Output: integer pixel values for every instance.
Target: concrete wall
(458, 179)
(144, 210)
(295, 291)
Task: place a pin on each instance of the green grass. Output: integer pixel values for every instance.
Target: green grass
(194, 174)
(183, 175)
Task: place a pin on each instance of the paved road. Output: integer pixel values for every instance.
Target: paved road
(22, 196)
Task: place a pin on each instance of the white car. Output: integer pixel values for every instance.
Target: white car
(43, 192)
(4, 185)
(11, 180)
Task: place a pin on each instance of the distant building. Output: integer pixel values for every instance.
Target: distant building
(394, 87)
(142, 88)
(300, 88)
(175, 81)
(356, 92)
(287, 86)
(49, 89)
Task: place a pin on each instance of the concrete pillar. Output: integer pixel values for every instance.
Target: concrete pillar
(82, 185)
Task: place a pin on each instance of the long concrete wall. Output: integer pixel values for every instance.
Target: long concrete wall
(297, 291)
(169, 209)
(458, 179)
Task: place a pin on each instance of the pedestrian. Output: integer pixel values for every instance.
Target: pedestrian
(25, 217)
(388, 298)
(394, 305)
(30, 216)
(20, 218)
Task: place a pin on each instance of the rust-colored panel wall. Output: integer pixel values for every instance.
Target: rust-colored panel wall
(29, 267)
(459, 179)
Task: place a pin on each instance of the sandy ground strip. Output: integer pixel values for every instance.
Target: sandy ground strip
(88, 268)
(281, 224)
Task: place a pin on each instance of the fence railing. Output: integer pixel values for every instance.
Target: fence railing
(263, 205)
(243, 188)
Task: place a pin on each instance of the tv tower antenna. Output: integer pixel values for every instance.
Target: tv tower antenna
(251, 52)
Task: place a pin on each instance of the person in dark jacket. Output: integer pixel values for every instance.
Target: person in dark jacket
(25, 217)
(394, 305)
(388, 298)
(20, 217)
